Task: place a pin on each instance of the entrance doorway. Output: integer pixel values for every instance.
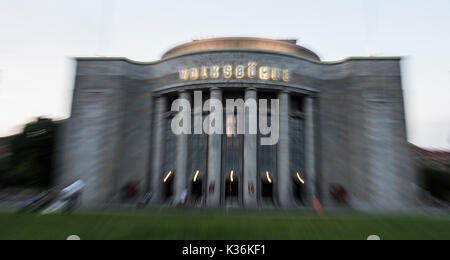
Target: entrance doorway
(197, 192)
(168, 190)
(299, 192)
(232, 191)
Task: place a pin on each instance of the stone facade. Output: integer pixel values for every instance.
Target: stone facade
(354, 128)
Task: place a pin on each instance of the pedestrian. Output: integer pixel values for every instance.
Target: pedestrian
(184, 197)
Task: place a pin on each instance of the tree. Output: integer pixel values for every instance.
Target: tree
(32, 155)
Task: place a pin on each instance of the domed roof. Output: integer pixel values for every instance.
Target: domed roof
(242, 43)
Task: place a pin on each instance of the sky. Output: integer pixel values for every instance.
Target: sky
(39, 39)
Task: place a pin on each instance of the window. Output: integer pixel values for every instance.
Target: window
(169, 161)
(232, 154)
(297, 142)
(267, 160)
(232, 157)
(198, 156)
(267, 190)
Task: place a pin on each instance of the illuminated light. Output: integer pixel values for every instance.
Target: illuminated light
(167, 176)
(196, 175)
(268, 177)
(300, 178)
(231, 176)
(230, 126)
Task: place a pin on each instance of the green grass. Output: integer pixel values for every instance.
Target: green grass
(221, 225)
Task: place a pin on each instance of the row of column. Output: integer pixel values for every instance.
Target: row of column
(283, 191)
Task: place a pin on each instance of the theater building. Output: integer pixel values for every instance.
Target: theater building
(342, 134)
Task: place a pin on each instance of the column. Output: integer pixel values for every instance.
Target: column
(250, 152)
(310, 168)
(158, 148)
(214, 160)
(181, 164)
(283, 185)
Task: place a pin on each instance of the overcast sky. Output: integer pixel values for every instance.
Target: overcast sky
(39, 38)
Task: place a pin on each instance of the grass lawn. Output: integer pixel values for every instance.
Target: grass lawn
(193, 225)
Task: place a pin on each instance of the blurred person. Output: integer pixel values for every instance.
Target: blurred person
(317, 206)
(130, 190)
(144, 202)
(68, 199)
(183, 197)
(37, 202)
(339, 193)
(73, 195)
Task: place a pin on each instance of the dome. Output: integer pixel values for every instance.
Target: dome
(289, 47)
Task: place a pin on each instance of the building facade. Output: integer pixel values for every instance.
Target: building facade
(342, 135)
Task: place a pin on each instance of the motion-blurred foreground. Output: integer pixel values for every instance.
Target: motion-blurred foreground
(342, 137)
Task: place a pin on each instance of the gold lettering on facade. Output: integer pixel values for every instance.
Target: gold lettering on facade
(184, 74)
(264, 73)
(251, 71)
(286, 75)
(240, 71)
(204, 72)
(276, 74)
(214, 72)
(194, 74)
(227, 71)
